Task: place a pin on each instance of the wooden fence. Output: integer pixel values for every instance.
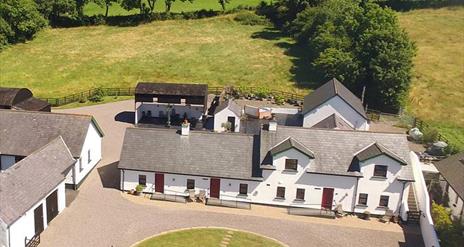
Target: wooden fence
(130, 91)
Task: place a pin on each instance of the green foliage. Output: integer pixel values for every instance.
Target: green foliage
(19, 20)
(223, 4)
(430, 135)
(362, 45)
(449, 232)
(250, 18)
(262, 92)
(139, 188)
(97, 95)
(279, 99)
(51, 9)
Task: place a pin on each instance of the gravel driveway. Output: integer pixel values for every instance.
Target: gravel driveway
(101, 216)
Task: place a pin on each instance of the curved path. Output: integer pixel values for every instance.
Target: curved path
(101, 216)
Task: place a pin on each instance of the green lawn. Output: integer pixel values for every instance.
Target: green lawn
(217, 51)
(207, 238)
(177, 6)
(105, 99)
(437, 92)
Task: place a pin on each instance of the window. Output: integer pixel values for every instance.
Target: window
(291, 164)
(81, 167)
(190, 184)
(380, 171)
(383, 201)
(143, 180)
(280, 192)
(243, 190)
(300, 194)
(362, 199)
(89, 159)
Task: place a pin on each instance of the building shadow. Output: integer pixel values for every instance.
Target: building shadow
(412, 236)
(110, 175)
(303, 73)
(125, 117)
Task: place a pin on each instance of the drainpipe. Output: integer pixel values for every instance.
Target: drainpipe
(122, 180)
(355, 195)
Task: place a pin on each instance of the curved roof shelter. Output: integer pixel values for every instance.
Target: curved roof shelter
(21, 99)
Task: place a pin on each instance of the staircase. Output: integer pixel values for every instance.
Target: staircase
(413, 213)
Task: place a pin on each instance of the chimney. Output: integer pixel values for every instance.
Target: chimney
(272, 125)
(185, 131)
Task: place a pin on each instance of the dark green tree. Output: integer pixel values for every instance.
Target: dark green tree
(51, 9)
(20, 20)
(168, 4)
(106, 3)
(133, 4)
(223, 4)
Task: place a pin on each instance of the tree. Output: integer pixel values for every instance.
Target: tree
(133, 4)
(361, 44)
(106, 3)
(223, 4)
(20, 20)
(51, 9)
(6, 33)
(168, 4)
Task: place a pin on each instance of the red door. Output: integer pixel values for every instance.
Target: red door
(214, 187)
(159, 182)
(327, 198)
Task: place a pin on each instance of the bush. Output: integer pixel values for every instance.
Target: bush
(97, 95)
(449, 232)
(250, 18)
(430, 135)
(262, 93)
(139, 188)
(366, 215)
(279, 99)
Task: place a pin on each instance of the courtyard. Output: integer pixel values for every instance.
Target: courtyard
(100, 215)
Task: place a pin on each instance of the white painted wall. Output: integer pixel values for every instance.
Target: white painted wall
(92, 142)
(423, 200)
(221, 118)
(25, 227)
(3, 234)
(195, 111)
(456, 205)
(7, 161)
(341, 108)
(375, 187)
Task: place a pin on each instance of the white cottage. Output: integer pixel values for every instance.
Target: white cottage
(227, 116)
(333, 106)
(285, 166)
(23, 132)
(32, 193)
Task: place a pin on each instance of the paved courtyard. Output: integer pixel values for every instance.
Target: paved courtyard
(101, 215)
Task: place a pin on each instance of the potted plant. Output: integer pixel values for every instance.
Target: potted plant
(139, 188)
(367, 215)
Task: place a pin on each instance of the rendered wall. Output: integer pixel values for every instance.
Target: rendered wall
(24, 227)
(93, 142)
(3, 234)
(195, 111)
(221, 118)
(341, 108)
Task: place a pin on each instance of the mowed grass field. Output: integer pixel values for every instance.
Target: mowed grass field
(177, 6)
(217, 51)
(437, 91)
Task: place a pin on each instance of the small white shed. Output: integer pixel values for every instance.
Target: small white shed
(227, 117)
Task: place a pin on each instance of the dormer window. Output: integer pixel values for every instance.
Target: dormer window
(291, 164)
(380, 171)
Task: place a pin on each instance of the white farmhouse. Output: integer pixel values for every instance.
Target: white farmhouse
(32, 193)
(333, 106)
(285, 166)
(452, 173)
(23, 132)
(227, 116)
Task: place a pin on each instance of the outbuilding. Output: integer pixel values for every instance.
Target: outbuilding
(21, 99)
(227, 116)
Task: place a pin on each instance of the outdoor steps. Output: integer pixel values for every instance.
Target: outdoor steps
(413, 213)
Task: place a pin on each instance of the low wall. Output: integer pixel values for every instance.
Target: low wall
(426, 223)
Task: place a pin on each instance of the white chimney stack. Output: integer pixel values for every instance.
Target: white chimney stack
(185, 131)
(272, 125)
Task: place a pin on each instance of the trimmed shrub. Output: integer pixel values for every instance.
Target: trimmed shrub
(97, 95)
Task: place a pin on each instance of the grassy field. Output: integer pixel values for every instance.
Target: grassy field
(207, 238)
(437, 92)
(177, 6)
(217, 51)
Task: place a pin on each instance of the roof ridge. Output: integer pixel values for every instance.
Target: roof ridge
(339, 130)
(191, 131)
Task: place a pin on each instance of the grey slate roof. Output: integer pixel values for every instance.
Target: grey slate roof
(452, 169)
(32, 178)
(172, 89)
(232, 105)
(334, 150)
(328, 91)
(333, 122)
(201, 153)
(376, 149)
(291, 143)
(23, 132)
